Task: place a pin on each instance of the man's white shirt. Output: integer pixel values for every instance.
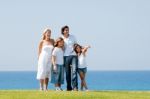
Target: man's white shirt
(69, 45)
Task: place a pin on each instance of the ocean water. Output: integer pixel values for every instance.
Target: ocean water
(96, 80)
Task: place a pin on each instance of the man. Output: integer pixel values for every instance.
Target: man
(70, 59)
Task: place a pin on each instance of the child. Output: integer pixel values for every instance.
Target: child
(82, 69)
(57, 61)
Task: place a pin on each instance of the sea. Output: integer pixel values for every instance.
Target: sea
(96, 80)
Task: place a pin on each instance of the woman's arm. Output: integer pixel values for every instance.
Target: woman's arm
(52, 41)
(40, 48)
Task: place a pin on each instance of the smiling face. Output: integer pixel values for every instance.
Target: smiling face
(61, 43)
(66, 31)
(78, 49)
(47, 34)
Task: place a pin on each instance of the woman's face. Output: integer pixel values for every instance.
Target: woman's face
(48, 34)
(66, 31)
(78, 49)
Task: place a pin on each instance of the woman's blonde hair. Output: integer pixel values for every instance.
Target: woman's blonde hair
(44, 32)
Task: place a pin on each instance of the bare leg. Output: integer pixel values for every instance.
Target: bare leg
(56, 86)
(46, 83)
(81, 77)
(83, 82)
(59, 85)
(41, 84)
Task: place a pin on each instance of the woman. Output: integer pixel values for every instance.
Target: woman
(82, 65)
(58, 61)
(44, 59)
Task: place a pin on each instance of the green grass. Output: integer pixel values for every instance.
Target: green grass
(35, 94)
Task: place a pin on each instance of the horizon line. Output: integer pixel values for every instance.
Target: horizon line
(88, 70)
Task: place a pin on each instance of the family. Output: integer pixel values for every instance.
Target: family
(63, 55)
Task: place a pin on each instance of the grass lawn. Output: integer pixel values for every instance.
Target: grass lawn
(35, 94)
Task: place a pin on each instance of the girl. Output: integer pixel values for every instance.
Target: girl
(82, 69)
(57, 61)
(44, 59)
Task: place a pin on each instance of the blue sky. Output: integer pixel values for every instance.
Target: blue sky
(117, 30)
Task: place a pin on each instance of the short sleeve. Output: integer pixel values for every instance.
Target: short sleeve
(54, 52)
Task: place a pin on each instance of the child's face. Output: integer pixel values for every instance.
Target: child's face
(78, 49)
(61, 43)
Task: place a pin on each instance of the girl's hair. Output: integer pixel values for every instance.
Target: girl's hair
(63, 28)
(75, 48)
(44, 32)
(58, 40)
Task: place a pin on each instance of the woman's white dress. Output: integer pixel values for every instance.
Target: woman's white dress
(44, 62)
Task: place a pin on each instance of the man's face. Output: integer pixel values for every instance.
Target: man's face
(66, 31)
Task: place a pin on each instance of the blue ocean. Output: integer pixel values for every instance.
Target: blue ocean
(96, 80)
